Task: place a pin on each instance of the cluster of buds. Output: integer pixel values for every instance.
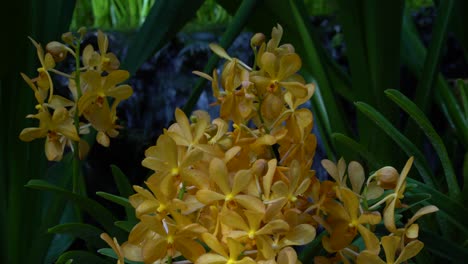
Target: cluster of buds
(94, 93)
(240, 189)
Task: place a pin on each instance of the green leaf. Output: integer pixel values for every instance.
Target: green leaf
(79, 256)
(404, 143)
(413, 54)
(116, 199)
(442, 247)
(126, 225)
(428, 77)
(244, 12)
(125, 189)
(123, 185)
(454, 211)
(87, 232)
(165, 19)
(418, 116)
(97, 211)
(358, 148)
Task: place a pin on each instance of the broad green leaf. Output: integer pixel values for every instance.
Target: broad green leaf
(443, 247)
(123, 185)
(79, 256)
(413, 54)
(358, 148)
(428, 77)
(418, 116)
(126, 225)
(125, 189)
(404, 143)
(456, 212)
(116, 199)
(165, 19)
(101, 214)
(87, 232)
(244, 13)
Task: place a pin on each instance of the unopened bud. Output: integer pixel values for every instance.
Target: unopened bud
(67, 38)
(257, 40)
(82, 31)
(57, 50)
(387, 177)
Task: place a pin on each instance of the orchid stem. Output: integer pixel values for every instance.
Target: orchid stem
(76, 145)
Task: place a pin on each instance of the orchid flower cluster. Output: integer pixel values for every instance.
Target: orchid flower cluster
(239, 188)
(94, 93)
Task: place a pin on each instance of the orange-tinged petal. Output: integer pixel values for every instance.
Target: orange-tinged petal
(234, 220)
(220, 51)
(184, 124)
(31, 133)
(390, 245)
(287, 256)
(219, 174)
(268, 178)
(132, 252)
(372, 218)
(356, 176)
(389, 216)
(235, 248)
(300, 235)
(213, 243)
(330, 167)
(53, 149)
(103, 42)
(120, 92)
(423, 211)
(370, 239)
(250, 202)
(241, 181)
(273, 227)
(254, 219)
(341, 235)
(269, 64)
(280, 189)
(211, 258)
(367, 257)
(103, 139)
(154, 249)
(297, 89)
(374, 191)
(190, 249)
(351, 203)
(289, 65)
(209, 196)
(409, 251)
(404, 173)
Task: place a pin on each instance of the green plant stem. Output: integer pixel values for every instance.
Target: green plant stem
(169, 260)
(76, 145)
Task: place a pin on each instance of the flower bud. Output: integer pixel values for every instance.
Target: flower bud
(82, 31)
(387, 177)
(257, 40)
(57, 50)
(68, 38)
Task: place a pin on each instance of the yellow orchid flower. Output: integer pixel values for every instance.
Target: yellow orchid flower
(346, 221)
(58, 130)
(220, 255)
(392, 245)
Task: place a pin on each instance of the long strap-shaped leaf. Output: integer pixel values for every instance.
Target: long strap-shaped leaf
(418, 116)
(244, 12)
(428, 77)
(404, 143)
(455, 211)
(165, 19)
(413, 53)
(97, 211)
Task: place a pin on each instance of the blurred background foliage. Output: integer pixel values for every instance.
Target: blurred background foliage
(391, 79)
